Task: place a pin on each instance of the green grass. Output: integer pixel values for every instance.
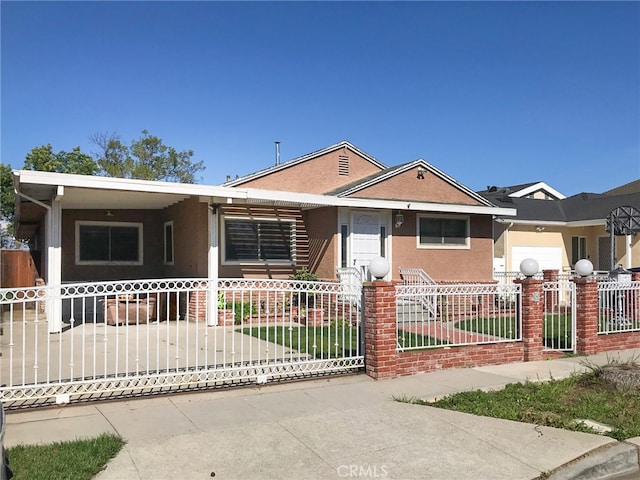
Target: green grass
(336, 340)
(557, 403)
(557, 329)
(407, 339)
(75, 460)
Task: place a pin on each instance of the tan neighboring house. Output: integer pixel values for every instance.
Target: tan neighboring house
(557, 230)
(334, 208)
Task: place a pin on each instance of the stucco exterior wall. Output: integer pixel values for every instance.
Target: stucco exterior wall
(472, 264)
(190, 239)
(406, 186)
(152, 251)
(321, 227)
(527, 235)
(317, 175)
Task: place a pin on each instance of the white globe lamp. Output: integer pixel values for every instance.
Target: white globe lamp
(529, 267)
(379, 267)
(584, 267)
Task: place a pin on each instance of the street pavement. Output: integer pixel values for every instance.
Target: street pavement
(337, 427)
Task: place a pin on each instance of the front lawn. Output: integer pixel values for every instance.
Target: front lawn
(77, 460)
(557, 332)
(329, 341)
(559, 403)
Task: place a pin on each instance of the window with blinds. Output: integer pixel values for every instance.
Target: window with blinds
(248, 240)
(442, 232)
(105, 243)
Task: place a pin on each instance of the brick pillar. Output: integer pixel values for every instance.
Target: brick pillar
(380, 336)
(550, 297)
(197, 307)
(586, 315)
(532, 318)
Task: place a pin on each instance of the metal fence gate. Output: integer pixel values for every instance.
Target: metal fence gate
(559, 318)
(147, 336)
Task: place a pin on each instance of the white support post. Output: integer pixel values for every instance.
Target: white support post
(212, 305)
(54, 266)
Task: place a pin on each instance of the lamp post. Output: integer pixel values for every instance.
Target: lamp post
(379, 267)
(529, 267)
(584, 268)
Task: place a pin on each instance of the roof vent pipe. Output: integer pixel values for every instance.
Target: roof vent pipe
(277, 152)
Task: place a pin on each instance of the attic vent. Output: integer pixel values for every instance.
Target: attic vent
(343, 165)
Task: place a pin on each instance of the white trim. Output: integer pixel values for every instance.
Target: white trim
(467, 244)
(137, 225)
(536, 187)
(577, 223)
(164, 241)
(233, 195)
(409, 166)
(223, 240)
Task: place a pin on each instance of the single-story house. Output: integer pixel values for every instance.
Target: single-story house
(334, 208)
(558, 231)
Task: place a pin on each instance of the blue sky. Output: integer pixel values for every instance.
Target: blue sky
(491, 93)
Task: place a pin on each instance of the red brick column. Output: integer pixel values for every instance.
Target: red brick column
(586, 315)
(380, 354)
(550, 297)
(532, 319)
(197, 308)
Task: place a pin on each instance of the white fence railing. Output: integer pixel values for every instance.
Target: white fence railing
(618, 307)
(559, 315)
(144, 336)
(464, 315)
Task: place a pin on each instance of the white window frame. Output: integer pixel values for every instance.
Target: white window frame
(579, 238)
(435, 246)
(223, 240)
(164, 236)
(137, 225)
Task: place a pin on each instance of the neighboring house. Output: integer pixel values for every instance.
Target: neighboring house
(558, 231)
(337, 207)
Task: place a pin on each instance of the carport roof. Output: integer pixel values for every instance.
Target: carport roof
(91, 192)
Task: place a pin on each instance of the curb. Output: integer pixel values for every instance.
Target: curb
(605, 462)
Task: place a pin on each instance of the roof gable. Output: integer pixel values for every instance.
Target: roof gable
(413, 181)
(592, 208)
(298, 174)
(537, 190)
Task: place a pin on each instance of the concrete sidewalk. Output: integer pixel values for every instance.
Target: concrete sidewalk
(340, 427)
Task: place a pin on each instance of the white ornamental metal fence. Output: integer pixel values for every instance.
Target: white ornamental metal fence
(559, 315)
(618, 307)
(146, 336)
(468, 314)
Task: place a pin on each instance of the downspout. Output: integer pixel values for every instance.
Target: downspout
(506, 242)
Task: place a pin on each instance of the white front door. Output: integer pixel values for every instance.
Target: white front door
(366, 239)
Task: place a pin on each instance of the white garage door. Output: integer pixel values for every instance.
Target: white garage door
(549, 258)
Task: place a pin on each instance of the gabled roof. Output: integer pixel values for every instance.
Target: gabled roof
(304, 158)
(387, 173)
(631, 187)
(581, 209)
(524, 189)
(92, 192)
